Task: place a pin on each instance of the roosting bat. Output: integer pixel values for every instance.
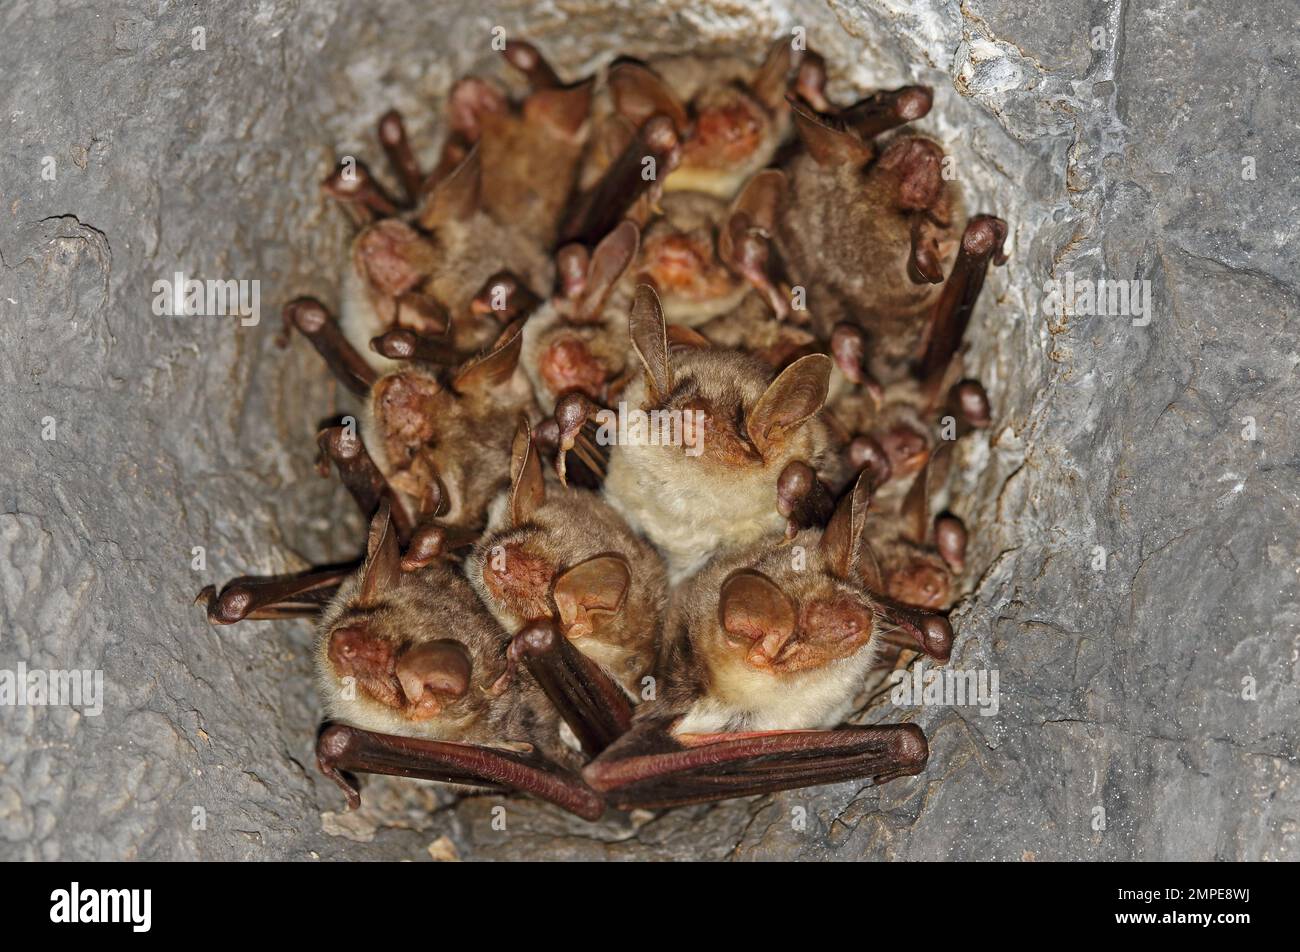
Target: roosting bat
(606, 369)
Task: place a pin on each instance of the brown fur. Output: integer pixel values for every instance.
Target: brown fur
(717, 680)
(529, 169)
(679, 257)
(535, 543)
(433, 604)
(689, 506)
(735, 128)
(420, 425)
(446, 253)
(844, 234)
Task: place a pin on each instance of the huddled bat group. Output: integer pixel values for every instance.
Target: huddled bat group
(680, 611)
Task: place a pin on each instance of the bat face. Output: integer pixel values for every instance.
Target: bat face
(679, 257)
(443, 441)
(732, 120)
(574, 358)
(853, 202)
(387, 659)
(734, 136)
(915, 575)
(918, 554)
(738, 427)
(780, 632)
(565, 555)
(577, 343)
(424, 274)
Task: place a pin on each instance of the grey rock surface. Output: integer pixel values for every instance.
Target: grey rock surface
(1142, 141)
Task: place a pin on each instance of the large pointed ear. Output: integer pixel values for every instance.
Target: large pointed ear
(639, 93)
(456, 197)
(918, 504)
(773, 77)
(794, 396)
(827, 141)
(608, 263)
(843, 544)
(760, 199)
(494, 368)
(650, 341)
(563, 108)
(591, 592)
(527, 485)
(749, 225)
(441, 668)
(612, 138)
(752, 606)
(382, 571)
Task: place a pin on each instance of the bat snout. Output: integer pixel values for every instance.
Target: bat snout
(920, 584)
(905, 449)
(354, 651)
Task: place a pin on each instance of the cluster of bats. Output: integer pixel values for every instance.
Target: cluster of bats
(642, 624)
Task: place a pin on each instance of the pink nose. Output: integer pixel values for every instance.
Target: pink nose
(441, 668)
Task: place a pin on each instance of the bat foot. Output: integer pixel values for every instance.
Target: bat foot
(910, 750)
(332, 745)
(229, 607)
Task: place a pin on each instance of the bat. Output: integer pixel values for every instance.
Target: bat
(565, 555)
(417, 680)
(436, 438)
(576, 342)
(720, 431)
(765, 650)
(731, 118)
(606, 566)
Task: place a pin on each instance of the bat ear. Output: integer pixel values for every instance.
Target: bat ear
(442, 668)
(794, 396)
(612, 138)
(752, 606)
(828, 142)
(650, 340)
(752, 216)
(563, 108)
(456, 197)
(770, 82)
(760, 199)
(527, 485)
(468, 102)
(843, 544)
(494, 368)
(608, 263)
(590, 592)
(382, 571)
(916, 505)
(639, 93)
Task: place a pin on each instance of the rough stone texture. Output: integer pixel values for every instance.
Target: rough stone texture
(1121, 689)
